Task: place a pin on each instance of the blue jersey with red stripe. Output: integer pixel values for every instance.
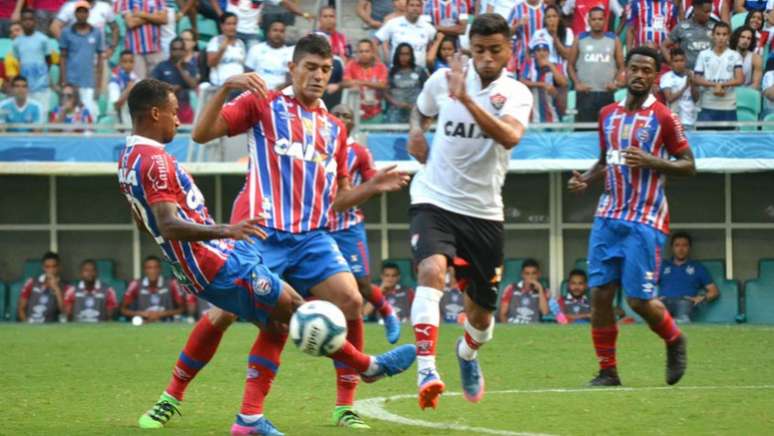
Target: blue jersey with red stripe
(297, 155)
(446, 12)
(637, 194)
(534, 16)
(360, 165)
(652, 20)
(148, 175)
(145, 38)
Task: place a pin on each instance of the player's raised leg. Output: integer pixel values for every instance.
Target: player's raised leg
(425, 318)
(201, 346)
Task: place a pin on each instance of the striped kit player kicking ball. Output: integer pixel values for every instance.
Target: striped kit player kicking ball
(456, 202)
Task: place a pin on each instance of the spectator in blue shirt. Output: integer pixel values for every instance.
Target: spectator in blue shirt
(81, 47)
(19, 109)
(182, 75)
(33, 51)
(683, 282)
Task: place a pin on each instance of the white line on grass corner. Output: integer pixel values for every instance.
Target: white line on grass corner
(375, 407)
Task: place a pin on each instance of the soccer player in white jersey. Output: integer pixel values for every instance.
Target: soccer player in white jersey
(456, 202)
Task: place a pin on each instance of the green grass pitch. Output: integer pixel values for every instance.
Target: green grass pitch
(80, 380)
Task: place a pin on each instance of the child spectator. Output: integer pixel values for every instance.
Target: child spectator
(405, 83)
(441, 51)
(121, 82)
(544, 79)
(526, 301)
(91, 300)
(680, 93)
(153, 297)
(718, 72)
(42, 297)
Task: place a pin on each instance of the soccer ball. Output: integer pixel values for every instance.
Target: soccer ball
(318, 328)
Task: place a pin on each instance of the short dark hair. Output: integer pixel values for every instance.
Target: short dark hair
(19, 78)
(701, 2)
(50, 255)
(325, 8)
(597, 9)
(390, 265)
(677, 51)
(645, 51)
(681, 235)
(312, 44)
(174, 40)
(366, 41)
(124, 53)
(28, 11)
(148, 93)
(721, 24)
(152, 257)
(578, 272)
(530, 262)
(226, 16)
(89, 262)
(490, 24)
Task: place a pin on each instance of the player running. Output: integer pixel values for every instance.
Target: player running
(348, 229)
(640, 142)
(456, 202)
(218, 263)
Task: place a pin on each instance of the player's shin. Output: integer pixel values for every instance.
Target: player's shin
(473, 339)
(379, 302)
(666, 328)
(201, 346)
(347, 377)
(425, 317)
(604, 345)
(262, 365)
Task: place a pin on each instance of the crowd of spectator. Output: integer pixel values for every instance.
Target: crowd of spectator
(710, 48)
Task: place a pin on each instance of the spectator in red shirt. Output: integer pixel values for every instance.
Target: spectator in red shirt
(91, 300)
(153, 297)
(327, 27)
(42, 297)
(367, 73)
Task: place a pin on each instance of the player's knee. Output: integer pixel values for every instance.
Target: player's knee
(602, 297)
(220, 318)
(637, 305)
(431, 270)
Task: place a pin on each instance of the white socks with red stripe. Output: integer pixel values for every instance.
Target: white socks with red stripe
(425, 317)
(473, 339)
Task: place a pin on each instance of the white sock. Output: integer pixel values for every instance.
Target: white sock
(425, 310)
(250, 419)
(372, 367)
(480, 336)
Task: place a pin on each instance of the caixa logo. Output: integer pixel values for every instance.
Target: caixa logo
(194, 198)
(309, 153)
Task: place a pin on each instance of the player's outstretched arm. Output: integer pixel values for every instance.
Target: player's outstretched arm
(211, 124)
(175, 229)
(385, 180)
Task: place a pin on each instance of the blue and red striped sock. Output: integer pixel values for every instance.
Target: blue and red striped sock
(604, 344)
(667, 329)
(201, 346)
(262, 366)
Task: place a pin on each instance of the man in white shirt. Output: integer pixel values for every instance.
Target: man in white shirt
(409, 28)
(226, 53)
(456, 201)
(717, 72)
(270, 59)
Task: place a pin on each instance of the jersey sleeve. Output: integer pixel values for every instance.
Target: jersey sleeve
(349, 72)
(698, 67)
(243, 112)
(384, 32)
(507, 295)
(111, 302)
(131, 292)
(768, 79)
(177, 294)
(426, 102)
(69, 297)
(158, 179)
(665, 82)
(366, 162)
(26, 290)
(673, 133)
(518, 104)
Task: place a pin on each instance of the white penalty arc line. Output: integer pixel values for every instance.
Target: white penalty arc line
(375, 407)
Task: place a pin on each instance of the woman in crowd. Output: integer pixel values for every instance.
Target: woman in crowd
(70, 109)
(441, 51)
(405, 83)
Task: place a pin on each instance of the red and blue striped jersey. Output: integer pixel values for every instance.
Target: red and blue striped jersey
(652, 20)
(637, 194)
(296, 155)
(147, 37)
(521, 38)
(360, 165)
(148, 175)
(446, 12)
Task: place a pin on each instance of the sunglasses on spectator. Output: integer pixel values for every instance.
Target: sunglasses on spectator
(342, 115)
(68, 95)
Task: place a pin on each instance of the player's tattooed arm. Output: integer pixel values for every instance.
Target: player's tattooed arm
(175, 229)
(683, 165)
(387, 179)
(417, 142)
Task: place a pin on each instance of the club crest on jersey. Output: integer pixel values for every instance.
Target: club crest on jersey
(261, 285)
(643, 135)
(498, 100)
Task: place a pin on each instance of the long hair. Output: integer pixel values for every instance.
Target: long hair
(412, 60)
(561, 30)
(446, 38)
(748, 18)
(734, 42)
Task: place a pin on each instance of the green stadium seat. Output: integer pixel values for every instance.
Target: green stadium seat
(569, 116)
(105, 269)
(14, 290)
(769, 117)
(716, 268)
(511, 272)
(183, 24)
(102, 104)
(119, 286)
(5, 46)
(407, 276)
(737, 20)
(207, 28)
(766, 270)
(3, 301)
(106, 124)
(748, 99)
(54, 74)
(582, 264)
(32, 268)
(725, 308)
(743, 114)
(620, 95)
(563, 288)
(759, 301)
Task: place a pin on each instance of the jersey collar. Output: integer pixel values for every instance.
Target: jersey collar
(648, 102)
(133, 140)
(288, 91)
